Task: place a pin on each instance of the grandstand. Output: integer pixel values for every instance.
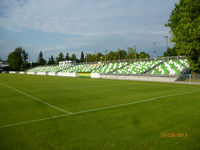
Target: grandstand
(48, 69)
(172, 67)
(164, 66)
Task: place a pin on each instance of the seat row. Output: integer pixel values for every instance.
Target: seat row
(48, 68)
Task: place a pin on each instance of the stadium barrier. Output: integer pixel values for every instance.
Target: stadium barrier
(140, 77)
(52, 73)
(182, 78)
(17, 72)
(31, 73)
(95, 75)
(41, 73)
(189, 78)
(21, 72)
(12, 71)
(66, 74)
(135, 60)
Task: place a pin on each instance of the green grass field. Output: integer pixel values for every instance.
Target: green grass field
(42, 112)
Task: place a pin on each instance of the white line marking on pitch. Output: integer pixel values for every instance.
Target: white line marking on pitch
(38, 120)
(37, 99)
(131, 103)
(95, 109)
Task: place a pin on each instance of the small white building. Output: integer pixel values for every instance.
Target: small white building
(67, 63)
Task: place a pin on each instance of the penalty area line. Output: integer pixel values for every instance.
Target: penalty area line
(96, 109)
(35, 98)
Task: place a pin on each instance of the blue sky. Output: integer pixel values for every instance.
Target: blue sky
(73, 26)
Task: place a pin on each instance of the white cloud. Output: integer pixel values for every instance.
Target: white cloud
(66, 17)
(162, 32)
(88, 17)
(88, 24)
(53, 48)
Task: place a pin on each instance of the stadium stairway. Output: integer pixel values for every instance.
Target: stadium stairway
(82, 68)
(110, 67)
(91, 67)
(65, 68)
(115, 70)
(149, 70)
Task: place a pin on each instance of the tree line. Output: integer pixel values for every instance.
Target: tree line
(18, 59)
(112, 55)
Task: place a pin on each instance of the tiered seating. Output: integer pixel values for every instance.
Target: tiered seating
(171, 67)
(110, 67)
(91, 67)
(83, 68)
(75, 68)
(155, 67)
(137, 67)
(47, 69)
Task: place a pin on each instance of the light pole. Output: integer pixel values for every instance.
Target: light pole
(166, 37)
(154, 51)
(135, 50)
(105, 54)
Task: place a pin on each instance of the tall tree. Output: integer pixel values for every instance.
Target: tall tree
(110, 56)
(132, 53)
(73, 57)
(144, 55)
(15, 61)
(97, 57)
(184, 23)
(60, 57)
(89, 58)
(170, 52)
(41, 60)
(120, 54)
(24, 56)
(18, 59)
(51, 60)
(82, 57)
(67, 56)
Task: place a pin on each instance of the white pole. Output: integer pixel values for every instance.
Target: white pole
(166, 37)
(190, 78)
(154, 52)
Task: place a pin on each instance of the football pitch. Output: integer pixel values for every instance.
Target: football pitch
(44, 112)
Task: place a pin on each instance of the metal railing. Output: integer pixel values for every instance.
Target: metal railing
(189, 78)
(136, 60)
(122, 60)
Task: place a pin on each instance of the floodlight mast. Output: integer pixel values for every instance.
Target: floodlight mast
(154, 51)
(105, 54)
(166, 37)
(135, 51)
